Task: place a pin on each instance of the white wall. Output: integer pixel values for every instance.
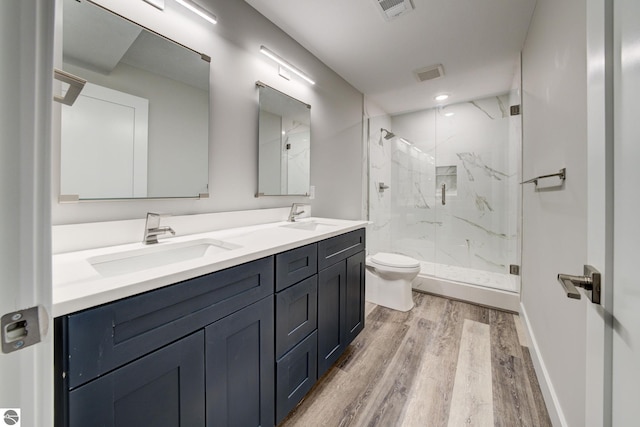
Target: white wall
(554, 222)
(233, 44)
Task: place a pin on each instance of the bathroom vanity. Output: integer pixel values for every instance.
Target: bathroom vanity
(239, 345)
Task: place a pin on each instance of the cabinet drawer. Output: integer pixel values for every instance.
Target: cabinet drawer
(296, 373)
(103, 338)
(340, 248)
(296, 265)
(296, 314)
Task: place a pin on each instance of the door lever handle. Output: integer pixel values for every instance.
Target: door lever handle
(591, 282)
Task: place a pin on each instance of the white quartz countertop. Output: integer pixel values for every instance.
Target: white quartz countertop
(78, 286)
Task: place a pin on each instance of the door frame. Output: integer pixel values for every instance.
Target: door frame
(25, 276)
(600, 185)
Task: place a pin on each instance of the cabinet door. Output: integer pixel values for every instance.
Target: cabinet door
(240, 368)
(331, 315)
(354, 318)
(164, 388)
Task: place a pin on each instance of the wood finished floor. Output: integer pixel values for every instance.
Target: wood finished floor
(444, 363)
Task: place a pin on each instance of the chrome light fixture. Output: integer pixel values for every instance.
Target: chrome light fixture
(199, 10)
(286, 64)
(158, 4)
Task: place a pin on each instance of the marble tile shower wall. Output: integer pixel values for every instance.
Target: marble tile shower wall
(474, 151)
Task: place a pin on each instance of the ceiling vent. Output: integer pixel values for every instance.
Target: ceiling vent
(391, 9)
(429, 73)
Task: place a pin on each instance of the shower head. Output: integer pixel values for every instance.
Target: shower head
(389, 134)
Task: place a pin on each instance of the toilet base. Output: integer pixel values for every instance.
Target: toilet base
(394, 294)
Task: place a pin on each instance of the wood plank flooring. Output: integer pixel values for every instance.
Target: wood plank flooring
(444, 363)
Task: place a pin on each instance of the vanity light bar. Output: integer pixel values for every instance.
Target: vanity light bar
(285, 64)
(199, 10)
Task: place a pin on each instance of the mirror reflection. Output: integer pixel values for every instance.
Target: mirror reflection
(140, 127)
(284, 138)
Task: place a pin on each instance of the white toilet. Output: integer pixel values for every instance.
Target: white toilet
(388, 280)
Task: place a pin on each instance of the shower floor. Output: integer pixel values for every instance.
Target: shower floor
(487, 279)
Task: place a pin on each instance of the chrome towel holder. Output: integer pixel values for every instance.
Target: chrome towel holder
(562, 174)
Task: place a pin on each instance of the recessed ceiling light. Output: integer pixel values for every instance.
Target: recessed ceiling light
(449, 114)
(441, 97)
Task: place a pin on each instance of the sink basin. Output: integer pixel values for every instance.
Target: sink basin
(310, 226)
(158, 255)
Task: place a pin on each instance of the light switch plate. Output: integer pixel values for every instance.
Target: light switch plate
(156, 3)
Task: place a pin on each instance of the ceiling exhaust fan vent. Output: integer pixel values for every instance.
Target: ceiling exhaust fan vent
(429, 73)
(392, 9)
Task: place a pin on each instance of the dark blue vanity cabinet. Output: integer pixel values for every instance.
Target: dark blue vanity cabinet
(159, 358)
(238, 347)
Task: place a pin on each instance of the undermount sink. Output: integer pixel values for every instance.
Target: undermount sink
(158, 255)
(310, 226)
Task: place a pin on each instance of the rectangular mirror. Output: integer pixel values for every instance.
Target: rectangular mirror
(284, 144)
(140, 126)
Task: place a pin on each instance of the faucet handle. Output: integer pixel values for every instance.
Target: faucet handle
(153, 220)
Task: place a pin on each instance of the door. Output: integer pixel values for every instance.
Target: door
(26, 71)
(626, 232)
(100, 160)
(613, 329)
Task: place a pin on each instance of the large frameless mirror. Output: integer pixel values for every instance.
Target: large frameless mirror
(284, 144)
(140, 126)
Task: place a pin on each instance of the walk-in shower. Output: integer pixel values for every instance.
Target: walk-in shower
(446, 191)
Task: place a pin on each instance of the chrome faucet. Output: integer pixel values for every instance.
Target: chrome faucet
(295, 212)
(152, 229)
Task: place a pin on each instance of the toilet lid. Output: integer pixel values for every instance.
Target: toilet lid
(394, 260)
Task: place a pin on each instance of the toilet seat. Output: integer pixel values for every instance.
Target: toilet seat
(395, 261)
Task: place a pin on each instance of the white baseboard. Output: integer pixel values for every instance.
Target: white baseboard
(546, 385)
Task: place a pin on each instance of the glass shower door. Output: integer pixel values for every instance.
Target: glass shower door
(477, 188)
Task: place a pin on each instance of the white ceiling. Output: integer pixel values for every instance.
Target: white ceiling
(477, 41)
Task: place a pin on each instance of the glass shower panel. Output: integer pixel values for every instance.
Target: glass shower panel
(413, 180)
